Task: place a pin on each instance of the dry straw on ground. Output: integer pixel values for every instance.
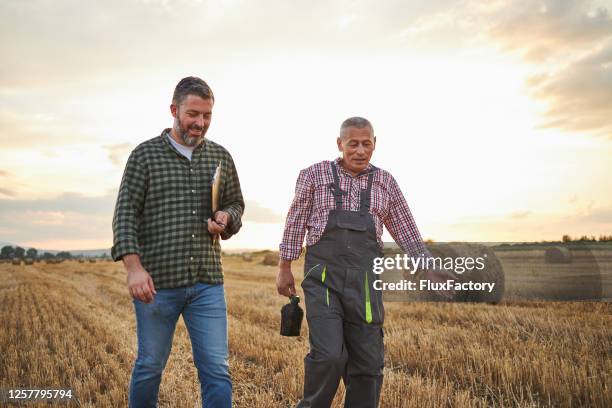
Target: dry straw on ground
(72, 325)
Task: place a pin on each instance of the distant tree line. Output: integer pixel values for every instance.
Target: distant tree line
(584, 238)
(10, 252)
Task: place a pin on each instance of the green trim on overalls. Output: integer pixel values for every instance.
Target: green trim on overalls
(326, 288)
(368, 305)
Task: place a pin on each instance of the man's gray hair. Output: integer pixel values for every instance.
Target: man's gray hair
(356, 121)
(191, 86)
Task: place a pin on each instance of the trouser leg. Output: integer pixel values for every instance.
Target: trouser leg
(206, 320)
(364, 343)
(155, 324)
(325, 363)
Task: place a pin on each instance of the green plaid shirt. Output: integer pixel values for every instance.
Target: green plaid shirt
(163, 204)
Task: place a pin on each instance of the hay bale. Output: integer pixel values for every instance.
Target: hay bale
(271, 259)
(29, 261)
(92, 260)
(558, 255)
(247, 257)
(16, 261)
(491, 273)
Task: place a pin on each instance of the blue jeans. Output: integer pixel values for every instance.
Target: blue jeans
(204, 312)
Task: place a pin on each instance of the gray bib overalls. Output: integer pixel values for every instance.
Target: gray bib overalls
(344, 314)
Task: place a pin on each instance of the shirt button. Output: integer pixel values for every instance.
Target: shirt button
(192, 235)
(193, 191)
(191, 170)
(193, 211)
(191, 258)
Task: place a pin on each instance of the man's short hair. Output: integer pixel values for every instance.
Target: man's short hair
(356, 121)
(191, 86)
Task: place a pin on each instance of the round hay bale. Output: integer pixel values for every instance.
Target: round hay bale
(577, 276)
(247, 258)
(29, 261)
(271, 259)
(491, 273)
(92, 260)
(558, 255)
(16, 261)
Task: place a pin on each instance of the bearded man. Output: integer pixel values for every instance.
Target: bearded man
(165, 234)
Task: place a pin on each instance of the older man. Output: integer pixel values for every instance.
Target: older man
(342, 205)
(164, 232)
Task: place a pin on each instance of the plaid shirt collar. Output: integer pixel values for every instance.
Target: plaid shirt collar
(366, 171)
(166, 134)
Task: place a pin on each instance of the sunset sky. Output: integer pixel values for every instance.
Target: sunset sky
(495, 117)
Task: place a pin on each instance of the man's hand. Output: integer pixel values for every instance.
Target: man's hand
(217, 224)
(441, 276)
(285, 285)
(139, 281)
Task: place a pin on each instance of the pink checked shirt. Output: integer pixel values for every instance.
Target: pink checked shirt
(314, 199)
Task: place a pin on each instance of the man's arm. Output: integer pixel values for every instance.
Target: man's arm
(403, 229)
(233, 203)
(295, 229)
(401, 224)
(128, 210)
(297, 217)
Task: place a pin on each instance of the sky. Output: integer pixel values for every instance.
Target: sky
(495, 117)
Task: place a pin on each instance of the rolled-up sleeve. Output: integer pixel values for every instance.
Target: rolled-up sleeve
(128, 209)
(297, 218)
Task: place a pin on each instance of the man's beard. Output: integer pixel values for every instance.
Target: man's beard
(184, 134)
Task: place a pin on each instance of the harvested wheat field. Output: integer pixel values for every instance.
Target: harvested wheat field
(71, 325)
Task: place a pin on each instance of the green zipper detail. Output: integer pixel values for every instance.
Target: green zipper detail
(323, 274)
(327, 296)
(368, 306)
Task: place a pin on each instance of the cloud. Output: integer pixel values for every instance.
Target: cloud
(71, 217)
(535, 226)
(579, 96)
(570, 44)
(600, 215)
(543, 30)
(67, 217)
(519, 214)
(256, 213)
(66, 202)
(7, 192)
(101, 40)
(118, 153)
(567, 43)
(33, 130)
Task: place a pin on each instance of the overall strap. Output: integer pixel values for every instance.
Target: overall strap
(364, 205)
(336, 187)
